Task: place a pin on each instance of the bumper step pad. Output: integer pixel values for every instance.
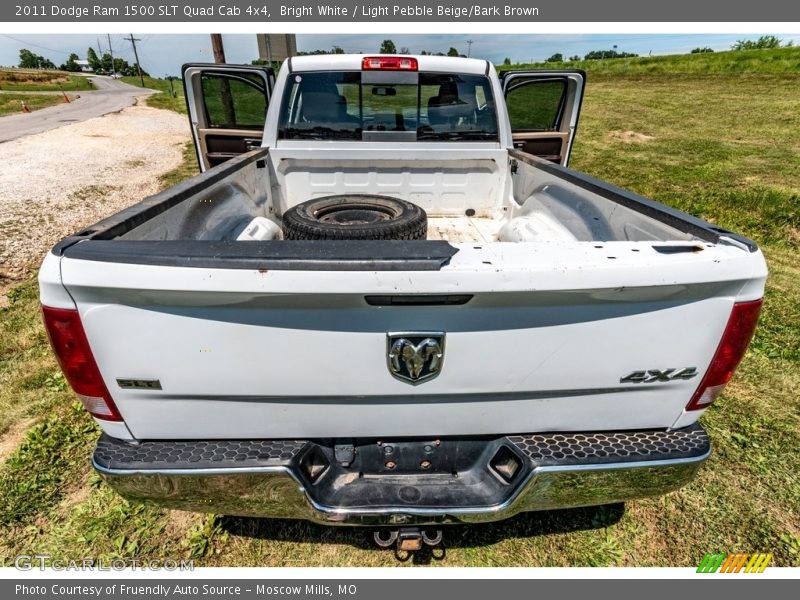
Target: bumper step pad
(414, 480)
(221, 454)
(600, 448)
(542, 449)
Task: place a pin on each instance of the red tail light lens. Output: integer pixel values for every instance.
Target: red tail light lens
(388, 63)
(738, 333)
(68, 339)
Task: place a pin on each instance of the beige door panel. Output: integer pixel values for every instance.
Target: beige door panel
(219, 145)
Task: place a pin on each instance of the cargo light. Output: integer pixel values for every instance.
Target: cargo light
(68, 339)
(388, 63)
(738, 333)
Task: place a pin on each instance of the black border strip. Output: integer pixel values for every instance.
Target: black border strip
(666, 214)
(278, 255)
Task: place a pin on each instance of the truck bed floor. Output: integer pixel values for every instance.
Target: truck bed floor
(463, 229)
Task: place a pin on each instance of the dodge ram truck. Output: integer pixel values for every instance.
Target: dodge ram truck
(387, 301)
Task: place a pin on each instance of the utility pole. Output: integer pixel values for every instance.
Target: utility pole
(217, 47)
(111, 52)
(226, 97)
(133, 41)
(469, 47)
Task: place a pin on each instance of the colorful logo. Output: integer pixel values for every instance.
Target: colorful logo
(734, 563)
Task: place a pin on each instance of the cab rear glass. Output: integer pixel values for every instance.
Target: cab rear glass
(388, 106)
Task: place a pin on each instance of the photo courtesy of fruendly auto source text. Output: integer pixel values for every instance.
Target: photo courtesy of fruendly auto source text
(295, 294)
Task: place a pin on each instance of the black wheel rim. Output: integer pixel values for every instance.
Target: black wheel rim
(354, 214)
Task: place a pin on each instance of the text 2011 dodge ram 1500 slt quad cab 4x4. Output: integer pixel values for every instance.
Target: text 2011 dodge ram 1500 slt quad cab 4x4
(393, 303)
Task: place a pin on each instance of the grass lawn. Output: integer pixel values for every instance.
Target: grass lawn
(165, 99)
(24, 80)
(775, 61)
(722, 145)
(11, 104)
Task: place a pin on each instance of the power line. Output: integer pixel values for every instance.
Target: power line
(469, 47)
(11, 37)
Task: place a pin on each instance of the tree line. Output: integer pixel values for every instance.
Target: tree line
(98, 64)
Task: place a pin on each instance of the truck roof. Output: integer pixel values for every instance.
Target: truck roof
(352, 62)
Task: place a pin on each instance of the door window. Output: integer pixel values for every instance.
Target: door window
(234, 101)
(535, 105)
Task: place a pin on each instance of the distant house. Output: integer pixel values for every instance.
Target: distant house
(84, 65)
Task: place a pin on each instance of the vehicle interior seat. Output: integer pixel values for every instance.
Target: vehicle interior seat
(447, 110)
(327, 107)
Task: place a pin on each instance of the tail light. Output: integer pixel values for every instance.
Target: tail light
(388, 63)
(731, 349)
(68, 339)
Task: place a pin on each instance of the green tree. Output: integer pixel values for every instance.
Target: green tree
(29, 60)
(507, 61)
(701, 50)
(388, 47)
(105, 62)
(94, 61)
(72, 64)
(557, 57)
(602, 54)
(574, 57)
(337, 50)
(762, 43)
(452, 52)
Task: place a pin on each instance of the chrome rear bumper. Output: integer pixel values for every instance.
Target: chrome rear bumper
(271, 478)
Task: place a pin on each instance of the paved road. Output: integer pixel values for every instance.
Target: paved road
(110, 96)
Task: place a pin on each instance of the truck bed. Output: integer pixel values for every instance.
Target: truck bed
(500, 197)
(285, 339)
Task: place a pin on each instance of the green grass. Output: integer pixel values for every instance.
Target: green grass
(188, 168)
(775, 61)
(723, 146)
(11, 104)
(22, 80)
(165, 99)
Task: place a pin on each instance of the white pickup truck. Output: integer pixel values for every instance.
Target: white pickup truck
(392, 304)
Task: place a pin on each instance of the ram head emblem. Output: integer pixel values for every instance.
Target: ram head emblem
(415, 357)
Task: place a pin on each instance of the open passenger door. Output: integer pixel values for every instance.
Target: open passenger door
(543, 107)
(227, 106)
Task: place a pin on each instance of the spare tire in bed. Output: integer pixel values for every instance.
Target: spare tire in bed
(355, 217)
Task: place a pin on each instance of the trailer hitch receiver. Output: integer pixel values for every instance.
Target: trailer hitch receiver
(407, 539)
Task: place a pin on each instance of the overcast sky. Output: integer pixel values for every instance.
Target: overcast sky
(164, 54)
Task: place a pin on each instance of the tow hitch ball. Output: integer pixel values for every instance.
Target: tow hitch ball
(407, 539)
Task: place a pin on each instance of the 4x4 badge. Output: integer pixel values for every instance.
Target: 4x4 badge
(658, 375)
(415, 357)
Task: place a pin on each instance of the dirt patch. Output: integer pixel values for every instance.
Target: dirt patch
(54, 183)
(180, 521)
(78, 493)
(630, 137)
(12, 438)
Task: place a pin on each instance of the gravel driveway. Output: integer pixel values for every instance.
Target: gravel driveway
(56, 182)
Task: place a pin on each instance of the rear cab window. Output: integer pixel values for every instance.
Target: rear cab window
(388, 106)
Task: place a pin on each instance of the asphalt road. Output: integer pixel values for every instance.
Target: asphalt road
(109, 96)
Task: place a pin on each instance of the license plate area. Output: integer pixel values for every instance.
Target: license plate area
(421, 473)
